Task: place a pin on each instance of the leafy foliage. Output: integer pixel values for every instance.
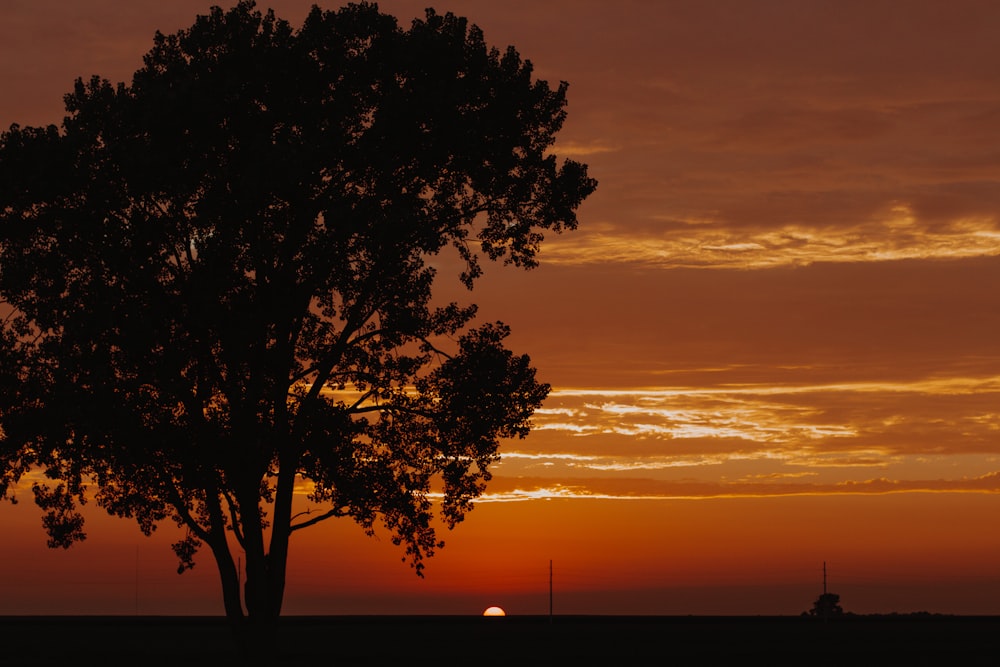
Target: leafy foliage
(827, 605)
(221, 277)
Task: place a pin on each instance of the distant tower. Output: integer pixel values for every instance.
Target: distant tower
(827, 604)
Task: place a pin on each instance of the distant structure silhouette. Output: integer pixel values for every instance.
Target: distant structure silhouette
(550, 590)
(827, 604)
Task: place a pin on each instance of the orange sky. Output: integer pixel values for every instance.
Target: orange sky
(772, 341)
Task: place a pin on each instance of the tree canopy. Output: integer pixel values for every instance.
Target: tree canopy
(219, 280)
(827, 605)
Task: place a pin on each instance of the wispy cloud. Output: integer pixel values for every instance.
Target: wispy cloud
(578, 149)
(762, 439)
(798, 420)
(521, 490)
(698, 245)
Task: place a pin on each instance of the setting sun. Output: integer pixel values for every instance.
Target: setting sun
(494, 611)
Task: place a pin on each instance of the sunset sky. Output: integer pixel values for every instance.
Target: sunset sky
(772, 342)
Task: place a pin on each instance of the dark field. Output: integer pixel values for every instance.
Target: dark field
(446, 640)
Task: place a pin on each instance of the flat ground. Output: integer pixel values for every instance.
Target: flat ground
(473, 641)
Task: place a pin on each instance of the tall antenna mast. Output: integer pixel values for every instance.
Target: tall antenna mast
(824, 577)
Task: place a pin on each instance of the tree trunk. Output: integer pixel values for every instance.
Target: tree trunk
(229, 576)
(277, 557)
(266, 561)
(260, 602)
(265, 587)
(255, 589)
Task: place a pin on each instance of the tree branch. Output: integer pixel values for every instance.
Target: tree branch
(329, 514)
(182, 511)
(234, 518)
(393, 408)
(433, 348)
(325, 368)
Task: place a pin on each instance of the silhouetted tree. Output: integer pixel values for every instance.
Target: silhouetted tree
(221, 282)
(826, 605)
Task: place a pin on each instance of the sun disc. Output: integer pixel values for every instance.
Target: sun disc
(494, 611)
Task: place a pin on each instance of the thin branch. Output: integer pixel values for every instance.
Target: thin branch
(14, 312)
(433, 348)
(335, 512)
(315, 366)
(364, 397)
(182, 510)
(393, 408)
(325, 367)
(234, 518)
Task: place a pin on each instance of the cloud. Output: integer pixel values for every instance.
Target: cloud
(897, 236)
(528, 489)
(760, 137)
(578, 149)
(794, 416)
(763, 439)
(610, 463)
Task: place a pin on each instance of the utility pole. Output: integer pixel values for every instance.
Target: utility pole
(550, 590)
(824, 577)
